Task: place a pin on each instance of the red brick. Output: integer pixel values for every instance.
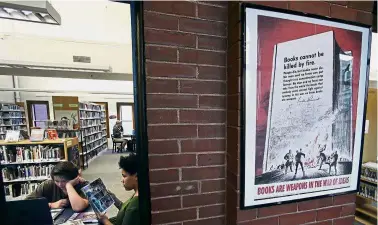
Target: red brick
(219, 3)
(212, 13)
(180, 8)
(157, 116)
(165, 203)
(344, 3)
(315, 7)
(344, 221)
(159, 176)
(211, 72)
(298, 218)
(314, 204)
(203, 145)
(155, 20)
(163, 147)
(348, 210)
(206, 131)
(202, 116)
(203, 173)
(340, 12)
(277, 210)
(212, 43)
(170, 70)
(274, 4)
(202, 26)
(202, 57)
(172, 161)
(202, 87)
(158, 53)
(246, 215)
(161, 86)
(233, 164)
(328, 222)
(178, 188)
(171, 101)
(173, 216)
(344, 199)
(213, 185)
(211, 221)
(328, 213)
(169, 38)
(211, 211)
(211, 159)
(365, 18)
(264, 221)
(367, 6)
(172, 131)
(214, 102)
(203, 199)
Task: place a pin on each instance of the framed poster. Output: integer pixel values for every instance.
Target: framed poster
(304, 93)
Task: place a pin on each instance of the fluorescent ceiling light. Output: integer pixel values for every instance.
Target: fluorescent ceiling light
(33, 11)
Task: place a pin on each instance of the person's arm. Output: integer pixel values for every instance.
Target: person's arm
(77, 202)
(117, 203)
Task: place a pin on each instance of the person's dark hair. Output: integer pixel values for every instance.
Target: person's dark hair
(66, 170)
(129, 164)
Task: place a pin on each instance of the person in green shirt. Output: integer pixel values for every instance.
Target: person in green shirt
(63, 189)
(128, 213)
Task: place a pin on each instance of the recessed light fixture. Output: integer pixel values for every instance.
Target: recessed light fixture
(32, 11)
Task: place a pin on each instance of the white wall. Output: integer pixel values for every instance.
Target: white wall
(6, 82)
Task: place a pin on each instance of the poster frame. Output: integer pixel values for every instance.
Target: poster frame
(243, 7)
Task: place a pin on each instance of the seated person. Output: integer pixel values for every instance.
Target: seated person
(129, 211)
(64, 188)
(117, 134)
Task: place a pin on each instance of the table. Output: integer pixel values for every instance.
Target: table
(67, 213)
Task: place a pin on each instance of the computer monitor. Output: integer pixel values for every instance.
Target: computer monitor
(31, 212)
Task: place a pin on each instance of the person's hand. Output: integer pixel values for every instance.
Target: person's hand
(76, 181)
(59, 204)
(102, 218)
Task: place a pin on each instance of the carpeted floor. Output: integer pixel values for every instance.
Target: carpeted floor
(105, 166)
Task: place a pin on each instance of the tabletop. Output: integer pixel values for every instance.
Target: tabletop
(67, 213)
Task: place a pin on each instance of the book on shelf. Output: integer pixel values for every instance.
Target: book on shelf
(12, 136)
(19, 173)
(52, 134)
(369, 171)
(37, 134)
(20, 189)
(368, 190)
(27, 154)
(98, 196)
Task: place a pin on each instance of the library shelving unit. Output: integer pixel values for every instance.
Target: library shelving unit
(25, 164)
(92, 131)
(12, 117)
(366, 203)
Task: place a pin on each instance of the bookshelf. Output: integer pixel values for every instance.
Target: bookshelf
(12, 117)
(366, 203)
(93, 131)
(25, 164)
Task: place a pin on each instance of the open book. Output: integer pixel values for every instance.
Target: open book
(98, 197)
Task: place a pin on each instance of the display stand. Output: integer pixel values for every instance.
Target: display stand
(12, 117)
(93, 131)
(25, 164)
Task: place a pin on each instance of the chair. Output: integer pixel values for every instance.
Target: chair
(115, 142)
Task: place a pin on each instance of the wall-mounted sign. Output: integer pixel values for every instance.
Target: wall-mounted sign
(73, 105)
(304, 89)
(58, 105)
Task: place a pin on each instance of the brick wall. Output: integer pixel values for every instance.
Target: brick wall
(326, 211)
(187, 94)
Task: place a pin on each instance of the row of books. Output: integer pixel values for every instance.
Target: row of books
(90, 114)
(15, 190)
(10, 115)
(368, 190)
(89, 106)
(369, 171)
(86, 123)
(11, 107)
(26, 172)
(12, 121)
(30, 153)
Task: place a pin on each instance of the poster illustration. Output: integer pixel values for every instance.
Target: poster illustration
(305, 87)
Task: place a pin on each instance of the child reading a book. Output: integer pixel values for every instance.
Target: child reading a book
(129, 211)
(63, 189)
